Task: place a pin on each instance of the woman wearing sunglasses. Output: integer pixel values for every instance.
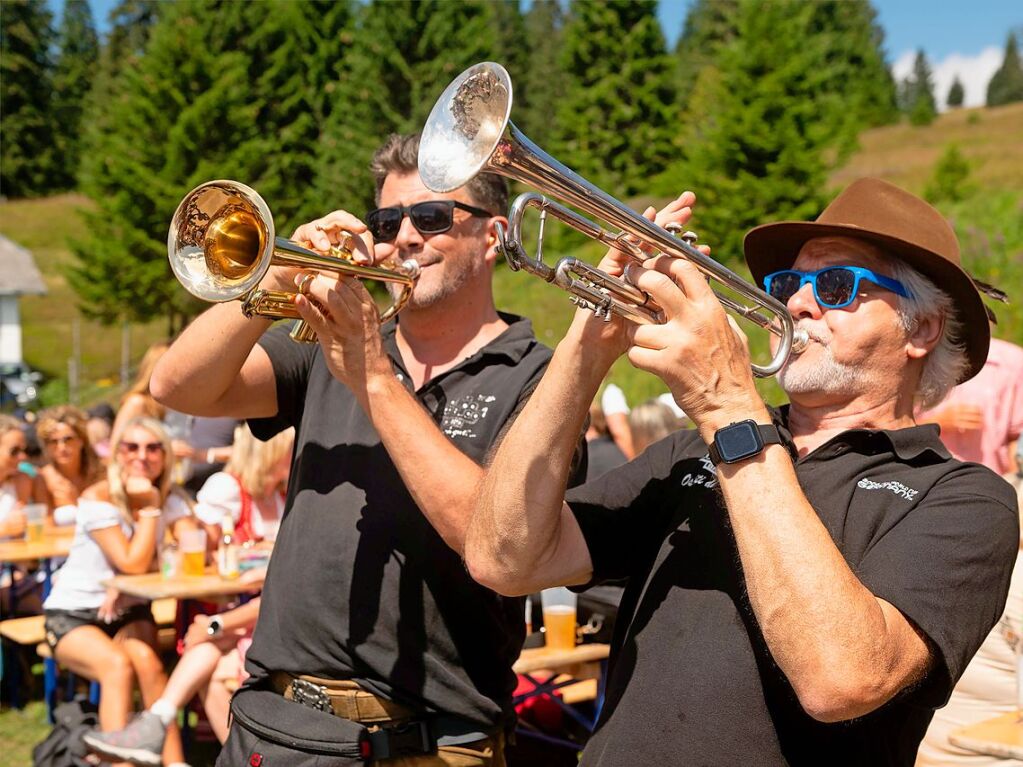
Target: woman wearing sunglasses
(121, 521)
(72, 464)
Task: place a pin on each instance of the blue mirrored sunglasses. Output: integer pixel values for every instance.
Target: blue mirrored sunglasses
(834, 287)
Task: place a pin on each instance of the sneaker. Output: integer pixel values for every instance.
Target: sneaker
(141, 742)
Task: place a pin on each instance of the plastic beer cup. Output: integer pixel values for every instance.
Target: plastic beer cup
(193, 552)
(559, 618)
(35, 521)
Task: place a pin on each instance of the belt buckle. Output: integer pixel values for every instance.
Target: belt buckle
(312, 695)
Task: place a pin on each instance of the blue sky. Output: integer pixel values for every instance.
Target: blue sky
(959, 38)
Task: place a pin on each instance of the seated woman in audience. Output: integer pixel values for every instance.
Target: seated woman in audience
(15, 486)
(15, 492)
(72, 465)
(121, 520)
(250, 490)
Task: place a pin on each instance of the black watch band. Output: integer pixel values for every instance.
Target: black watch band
(739, 441)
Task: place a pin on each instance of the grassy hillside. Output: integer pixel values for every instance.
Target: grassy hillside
(45, 226)
(989, 221)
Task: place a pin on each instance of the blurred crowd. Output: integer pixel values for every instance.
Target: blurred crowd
(130, 486)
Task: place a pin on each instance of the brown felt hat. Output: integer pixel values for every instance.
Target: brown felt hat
(902, 225)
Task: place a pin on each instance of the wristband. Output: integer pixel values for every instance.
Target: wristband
(149, 513)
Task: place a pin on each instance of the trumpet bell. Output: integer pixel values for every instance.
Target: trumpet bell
(233, 243)
(221, 240)
(465, 127)
(469, 132)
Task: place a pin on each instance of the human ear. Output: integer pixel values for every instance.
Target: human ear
(492, 238)
(924, 335)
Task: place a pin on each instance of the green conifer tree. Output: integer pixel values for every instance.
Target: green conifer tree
(216, 94)
(403, 55)
(856, 61)
(613, 122)
(708, 25)
(771, 125)
(73, 76)
(949, 183)
(955, 94)
(919, 93)
(511, 48)
(29, 162)
(541, 88)
(131, 22)
(1006, 84)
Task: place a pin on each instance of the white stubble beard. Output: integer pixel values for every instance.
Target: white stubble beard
(826, 376)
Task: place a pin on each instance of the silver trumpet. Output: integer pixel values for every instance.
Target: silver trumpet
(469, 132)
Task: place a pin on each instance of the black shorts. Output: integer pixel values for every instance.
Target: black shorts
(60, 622)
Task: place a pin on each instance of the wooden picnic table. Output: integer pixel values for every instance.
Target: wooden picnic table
(206, 587)
(562, 661)
(1000, 736)
(53, 544)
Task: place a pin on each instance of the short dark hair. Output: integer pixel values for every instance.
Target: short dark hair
(400, 154)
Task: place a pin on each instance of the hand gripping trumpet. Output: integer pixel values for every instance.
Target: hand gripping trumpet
(221, 243)
(469, 132)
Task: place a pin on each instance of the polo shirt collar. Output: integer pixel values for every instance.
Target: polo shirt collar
(514, 343)
(907, 444)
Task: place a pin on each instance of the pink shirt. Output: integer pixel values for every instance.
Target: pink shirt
(998, 390)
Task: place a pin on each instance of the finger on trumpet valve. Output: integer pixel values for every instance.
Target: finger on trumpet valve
(304, 282)
(345, 241)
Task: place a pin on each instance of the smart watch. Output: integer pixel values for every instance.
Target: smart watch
(739, 441)
(215, 627)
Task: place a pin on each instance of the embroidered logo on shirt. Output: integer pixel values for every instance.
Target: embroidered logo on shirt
(705, 478)
(896, 487)
(463, 414)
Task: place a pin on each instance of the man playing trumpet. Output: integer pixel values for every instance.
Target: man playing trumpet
(368, 614)
(805, 584)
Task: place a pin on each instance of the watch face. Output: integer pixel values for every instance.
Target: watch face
(738, 441)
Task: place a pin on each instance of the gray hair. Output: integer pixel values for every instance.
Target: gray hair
(947, 361)
(400, 154)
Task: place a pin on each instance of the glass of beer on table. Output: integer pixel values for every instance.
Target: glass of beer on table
(35, 521)
(559, 618)
(192, 546)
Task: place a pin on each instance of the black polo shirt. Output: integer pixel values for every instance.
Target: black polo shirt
(360, 584)
(692, 681)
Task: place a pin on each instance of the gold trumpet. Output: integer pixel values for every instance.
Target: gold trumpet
(221, 243)
(469, 132)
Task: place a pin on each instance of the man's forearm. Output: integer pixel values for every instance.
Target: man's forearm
(827, 632)
(205, 361)
(515, 539)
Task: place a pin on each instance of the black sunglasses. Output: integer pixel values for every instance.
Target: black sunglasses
(429, 217)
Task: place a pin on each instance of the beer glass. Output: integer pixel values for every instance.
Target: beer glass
(559, 618)
(35, 520)
(193, 552)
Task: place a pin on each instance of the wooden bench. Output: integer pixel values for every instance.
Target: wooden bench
(31, 631)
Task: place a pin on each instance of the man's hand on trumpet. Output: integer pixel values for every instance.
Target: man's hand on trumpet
(347, 324)
(609, 339)
(336, 229)
(699, 351)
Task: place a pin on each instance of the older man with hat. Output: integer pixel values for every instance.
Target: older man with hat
(805, 584)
